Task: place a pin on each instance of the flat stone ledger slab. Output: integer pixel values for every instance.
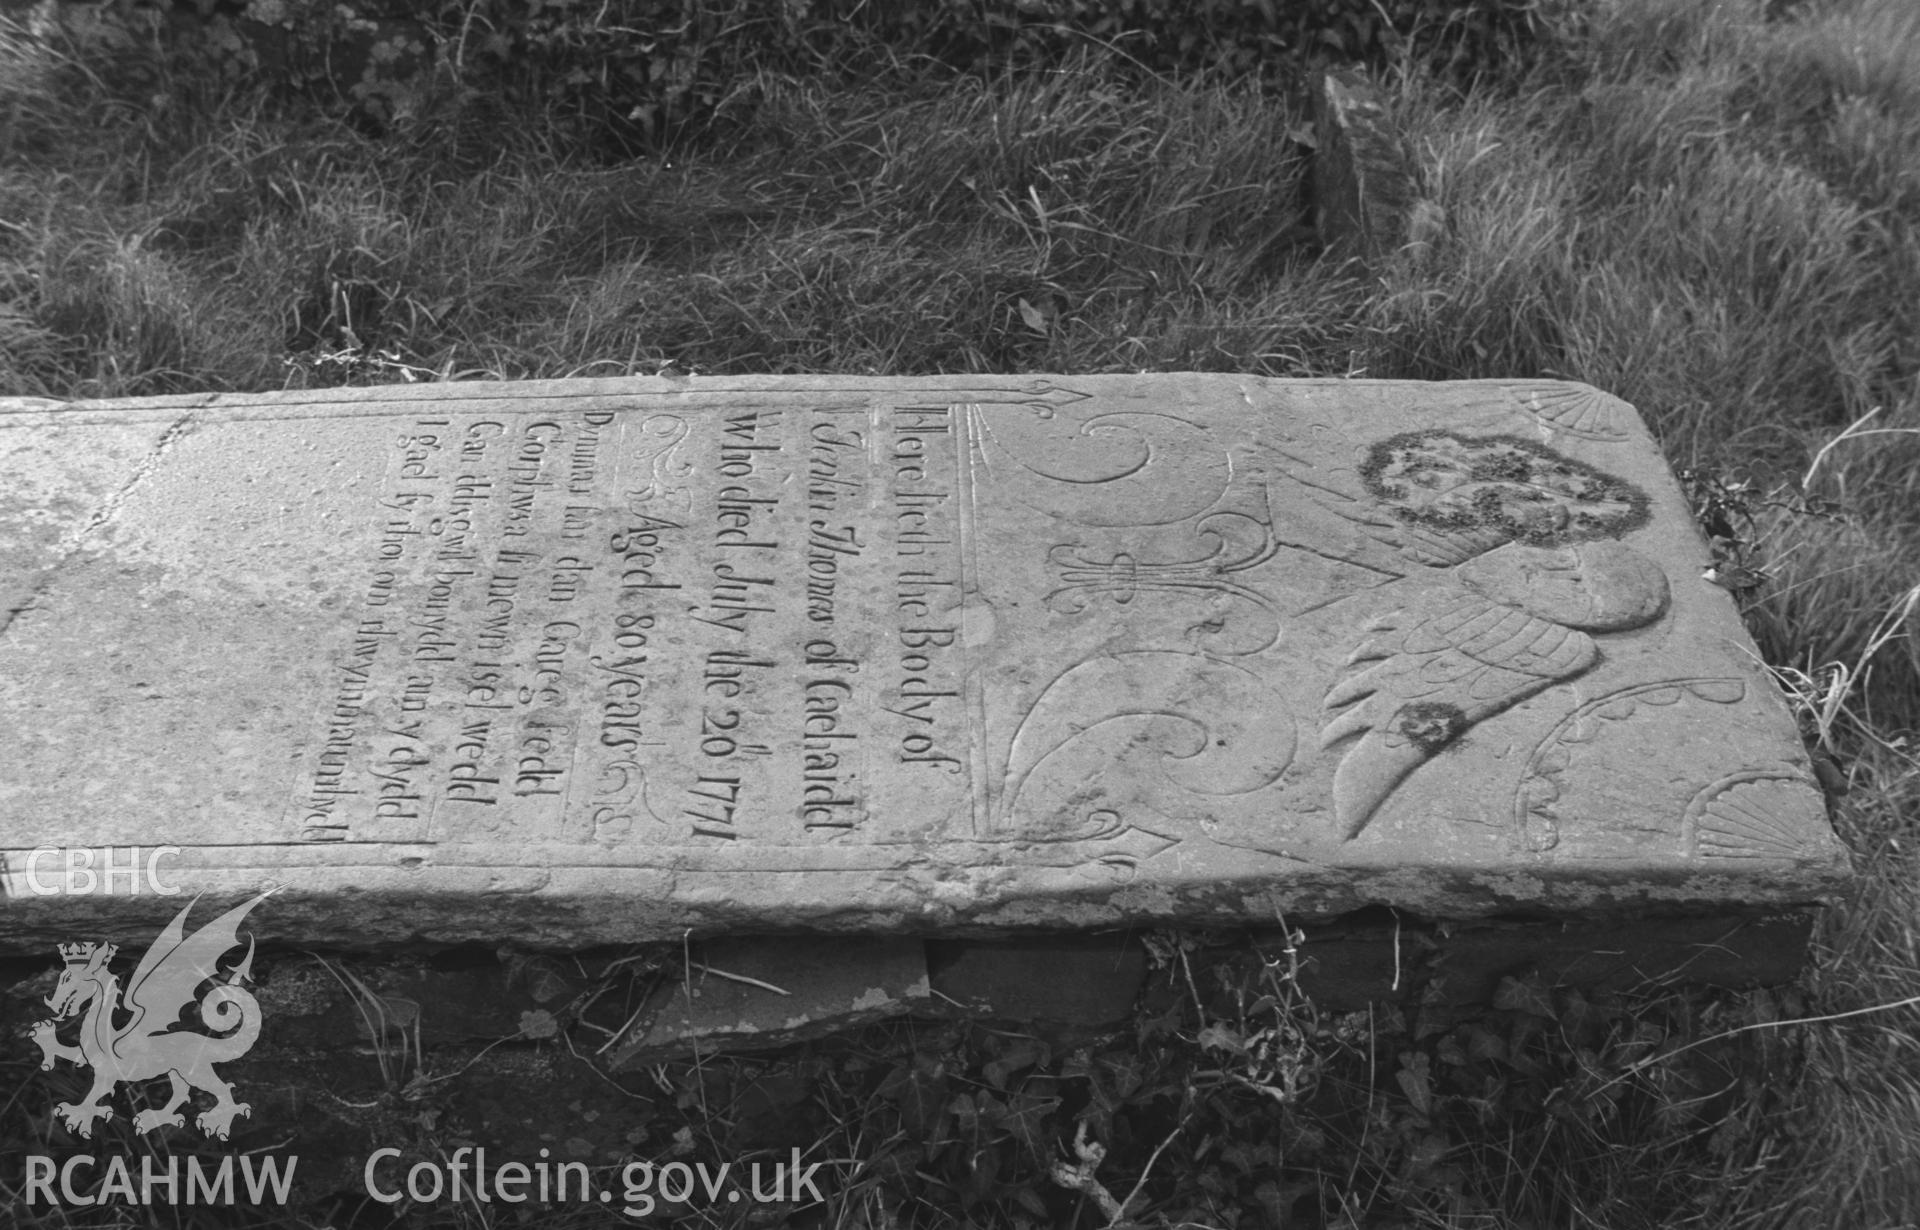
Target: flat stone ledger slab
(605, 660)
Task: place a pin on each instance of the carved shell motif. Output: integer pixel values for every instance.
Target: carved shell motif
(1575, 409)
(1756, 813)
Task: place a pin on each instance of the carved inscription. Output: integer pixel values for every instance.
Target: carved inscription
(740, 599)
(455, 692)
(924, 692)
(581, 627)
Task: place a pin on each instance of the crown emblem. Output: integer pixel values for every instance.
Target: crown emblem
(82, 954)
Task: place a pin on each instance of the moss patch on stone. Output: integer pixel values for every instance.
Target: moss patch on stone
(1430, 725)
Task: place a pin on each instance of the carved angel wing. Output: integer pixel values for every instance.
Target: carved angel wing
(1427, 674)
(173, 967)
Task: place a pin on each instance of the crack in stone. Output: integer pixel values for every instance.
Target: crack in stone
(108, 510)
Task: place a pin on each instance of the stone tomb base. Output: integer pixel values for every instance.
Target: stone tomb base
(596, 661)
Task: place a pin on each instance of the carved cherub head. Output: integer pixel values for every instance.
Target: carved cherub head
(1494, 489)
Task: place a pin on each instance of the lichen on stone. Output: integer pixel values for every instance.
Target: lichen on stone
(1449, 482)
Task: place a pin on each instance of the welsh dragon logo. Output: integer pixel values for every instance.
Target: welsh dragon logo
(150, 1042)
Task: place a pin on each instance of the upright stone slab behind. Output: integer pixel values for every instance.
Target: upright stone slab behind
(1367, 184)
(596, 660)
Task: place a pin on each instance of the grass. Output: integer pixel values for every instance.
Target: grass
(1709, 211)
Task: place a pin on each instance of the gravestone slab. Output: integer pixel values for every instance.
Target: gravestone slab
(603, 660)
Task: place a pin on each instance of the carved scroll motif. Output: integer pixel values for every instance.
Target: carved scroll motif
(655, 469)
(620, 799)
(1154, 731)
(1121, 468)
(1250, 624)
(1158, 730)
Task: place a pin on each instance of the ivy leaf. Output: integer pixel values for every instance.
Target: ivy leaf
(1531, 998)
(1219, 1037)
(1023, 1054)
(1415, 1079)
(1025, 1118)
(1036, 319)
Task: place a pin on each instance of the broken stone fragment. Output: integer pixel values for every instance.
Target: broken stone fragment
(1070, 980)
(757, 994)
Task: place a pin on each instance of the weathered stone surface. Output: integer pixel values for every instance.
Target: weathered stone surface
(591, 661)
(748, 994)
(1368, 189)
